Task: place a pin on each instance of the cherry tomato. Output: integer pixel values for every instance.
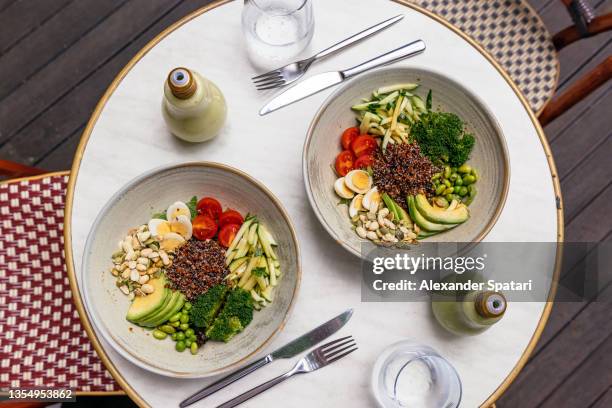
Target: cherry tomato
(209, 206)
(364, 161)
(344, 162)
(363, 144)
(348, 136)
(204, 227)
(230, 216)
(227, 234)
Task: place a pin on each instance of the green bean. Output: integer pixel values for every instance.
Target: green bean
(180, 346)
(194, 348)
(173, 336)
(465, 168)
(189, 332)
(180, 336)
(167, 329)
(175, 324)
(449, 190)
(447, 172)
(440, 189)
(184, 326)
(159, 335)
(463, 191)
(459, 181)
(447, 183)
(175, 317)
(184, 319)
(187, 306)
(469, 179)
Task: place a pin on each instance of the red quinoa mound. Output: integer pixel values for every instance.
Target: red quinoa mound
(197, 266)
(403, 170)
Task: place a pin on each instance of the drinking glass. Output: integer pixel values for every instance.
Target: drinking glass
(276, 30)
(414, 375)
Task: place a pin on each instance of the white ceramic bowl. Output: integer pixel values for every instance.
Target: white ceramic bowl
(133, 206)
(489, 156)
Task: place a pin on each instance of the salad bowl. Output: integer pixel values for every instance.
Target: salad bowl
(489, 155)
(133, 205)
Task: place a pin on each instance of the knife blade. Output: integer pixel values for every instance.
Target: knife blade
(319, 82)
(290, 349)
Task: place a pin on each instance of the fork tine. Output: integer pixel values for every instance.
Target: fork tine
(329, 350)
(274, 71)
(271, 85)
(335, 352)
(326, 345)
(267, 78)
(341, 355)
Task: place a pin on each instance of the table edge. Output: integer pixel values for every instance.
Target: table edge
(117, 80)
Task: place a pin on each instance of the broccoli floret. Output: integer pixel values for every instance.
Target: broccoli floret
(206, 306)
(236, 314)
(442, 137)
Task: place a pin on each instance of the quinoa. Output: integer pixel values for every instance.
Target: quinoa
(197, 266)
(403, 170)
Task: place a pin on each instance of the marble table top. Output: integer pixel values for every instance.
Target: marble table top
(127, 137)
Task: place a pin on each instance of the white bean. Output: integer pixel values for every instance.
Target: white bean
(134, 275)
(372, 235)
(361, 232)
(146, 288)
(373, 226)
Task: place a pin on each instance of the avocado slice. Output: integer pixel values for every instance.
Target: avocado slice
(177, 304)
(403, 215)
(158, 312)
(391, 205)
(441, 215)
(423, 222)
(145, 305)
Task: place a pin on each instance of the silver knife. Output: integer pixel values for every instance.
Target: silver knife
(325, 80)
(291, 349)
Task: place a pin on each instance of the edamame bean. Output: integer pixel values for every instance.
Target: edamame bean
(472, 189)
(463, 191)
(469, 179)
(173, 336)
(447, 172)
(475, 174)
(453, 169)
(180, 346)
(184, 326)
(187, 306)
(193, 338)
(184, 319)
(188, 342)
(189, 332)
(449, 190)
(465, 168)
(436, 176)
(175, 324)
(175, 317)
(453, 177)
(449, 197)
(184, 312)
(180, 336)
(459, 181)
(194, 348)
(441, 202)
(159, 335)
(440, 189)
(167, 329)
(447, 183)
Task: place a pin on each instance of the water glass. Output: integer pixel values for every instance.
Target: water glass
(276, 30)
(414, 375)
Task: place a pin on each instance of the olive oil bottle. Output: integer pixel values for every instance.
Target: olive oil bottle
(469, 313)
(193, 107)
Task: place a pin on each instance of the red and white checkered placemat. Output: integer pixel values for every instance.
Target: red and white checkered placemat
(42, 342)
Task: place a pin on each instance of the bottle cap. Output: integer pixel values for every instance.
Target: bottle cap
(490, 304)
(181, 83)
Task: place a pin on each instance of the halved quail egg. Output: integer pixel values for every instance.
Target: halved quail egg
(356, 205)
(341, 189)
(176, 209)
(182, 226)
(371, 200)
(358, 181)
(159, 227)
(170, 241)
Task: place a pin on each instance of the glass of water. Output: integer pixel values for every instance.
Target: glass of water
(276, 30)
(414, 375)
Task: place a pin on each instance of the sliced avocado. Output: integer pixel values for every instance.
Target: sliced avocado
(178, 305)
(403, 215)
(168, 298)
(441, 215)
(423, 222)
(390, 205)
(424, 234)
(161, 312)
(145, 305)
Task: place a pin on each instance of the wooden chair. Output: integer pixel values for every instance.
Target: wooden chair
(513, 33)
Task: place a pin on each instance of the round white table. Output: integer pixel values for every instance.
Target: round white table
(126, 137)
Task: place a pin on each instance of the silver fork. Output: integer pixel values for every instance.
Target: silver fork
(319, 357)
(291, 72)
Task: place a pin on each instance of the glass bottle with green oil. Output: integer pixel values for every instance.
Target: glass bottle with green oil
(470, 312)
(193, 107)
